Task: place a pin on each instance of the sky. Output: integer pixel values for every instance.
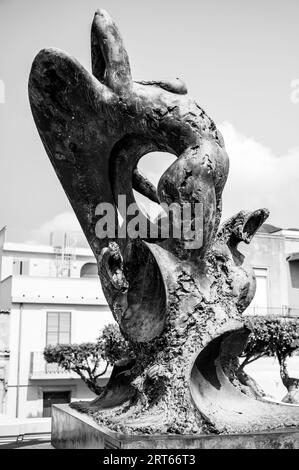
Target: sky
(238, 59)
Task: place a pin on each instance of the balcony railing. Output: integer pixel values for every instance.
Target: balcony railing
(283, 311)
(40, 369)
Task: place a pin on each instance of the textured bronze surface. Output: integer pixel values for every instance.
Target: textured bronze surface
(181, 309)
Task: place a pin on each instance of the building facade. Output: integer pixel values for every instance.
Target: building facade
(274, 255)
(48, 295)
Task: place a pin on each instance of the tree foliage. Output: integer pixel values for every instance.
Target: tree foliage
(115, 346)
(90, 360)
(272, 336)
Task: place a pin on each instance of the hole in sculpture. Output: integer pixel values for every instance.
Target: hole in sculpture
(152, 166)
(253, 224)
(265, 372)
(208, 378)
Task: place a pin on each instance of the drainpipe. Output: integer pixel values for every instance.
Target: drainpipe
(19, 360)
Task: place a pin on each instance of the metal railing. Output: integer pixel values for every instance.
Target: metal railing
(282, 311)
(13, 441)
(39, 366)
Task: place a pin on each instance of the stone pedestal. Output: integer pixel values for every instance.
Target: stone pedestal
(74, 430)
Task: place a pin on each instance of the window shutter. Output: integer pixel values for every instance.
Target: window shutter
(58, 328)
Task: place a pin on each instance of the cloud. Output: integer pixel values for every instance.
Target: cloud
(259, 178)
(66, 222)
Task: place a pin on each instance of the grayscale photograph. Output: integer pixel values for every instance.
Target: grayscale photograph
(149, 228)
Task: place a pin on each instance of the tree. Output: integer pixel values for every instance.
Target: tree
(90, 360)
(271, 336)
(115, 346)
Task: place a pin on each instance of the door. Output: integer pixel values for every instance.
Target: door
(54, 398)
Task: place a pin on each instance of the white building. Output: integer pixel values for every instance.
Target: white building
(48, 294)
(274, 254)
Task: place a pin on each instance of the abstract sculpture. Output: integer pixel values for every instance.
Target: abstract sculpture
(179, 307)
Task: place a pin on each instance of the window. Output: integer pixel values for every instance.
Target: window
(58, 328)
(294, 273)
(89, 270)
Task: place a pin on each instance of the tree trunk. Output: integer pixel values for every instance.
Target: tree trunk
(250, 386)
(90, 382)
(291, 383)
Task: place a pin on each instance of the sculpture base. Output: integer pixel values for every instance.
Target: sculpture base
(74, 430)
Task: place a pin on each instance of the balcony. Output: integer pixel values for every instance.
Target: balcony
(41, 370)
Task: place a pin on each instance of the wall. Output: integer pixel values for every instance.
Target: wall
(291, 245)
(5, 293)
(4, 356)
(87, 321)
(35, 293)
(268, 251)
(31, 395)
(41, 264)
(4, 331)
(56, 290)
